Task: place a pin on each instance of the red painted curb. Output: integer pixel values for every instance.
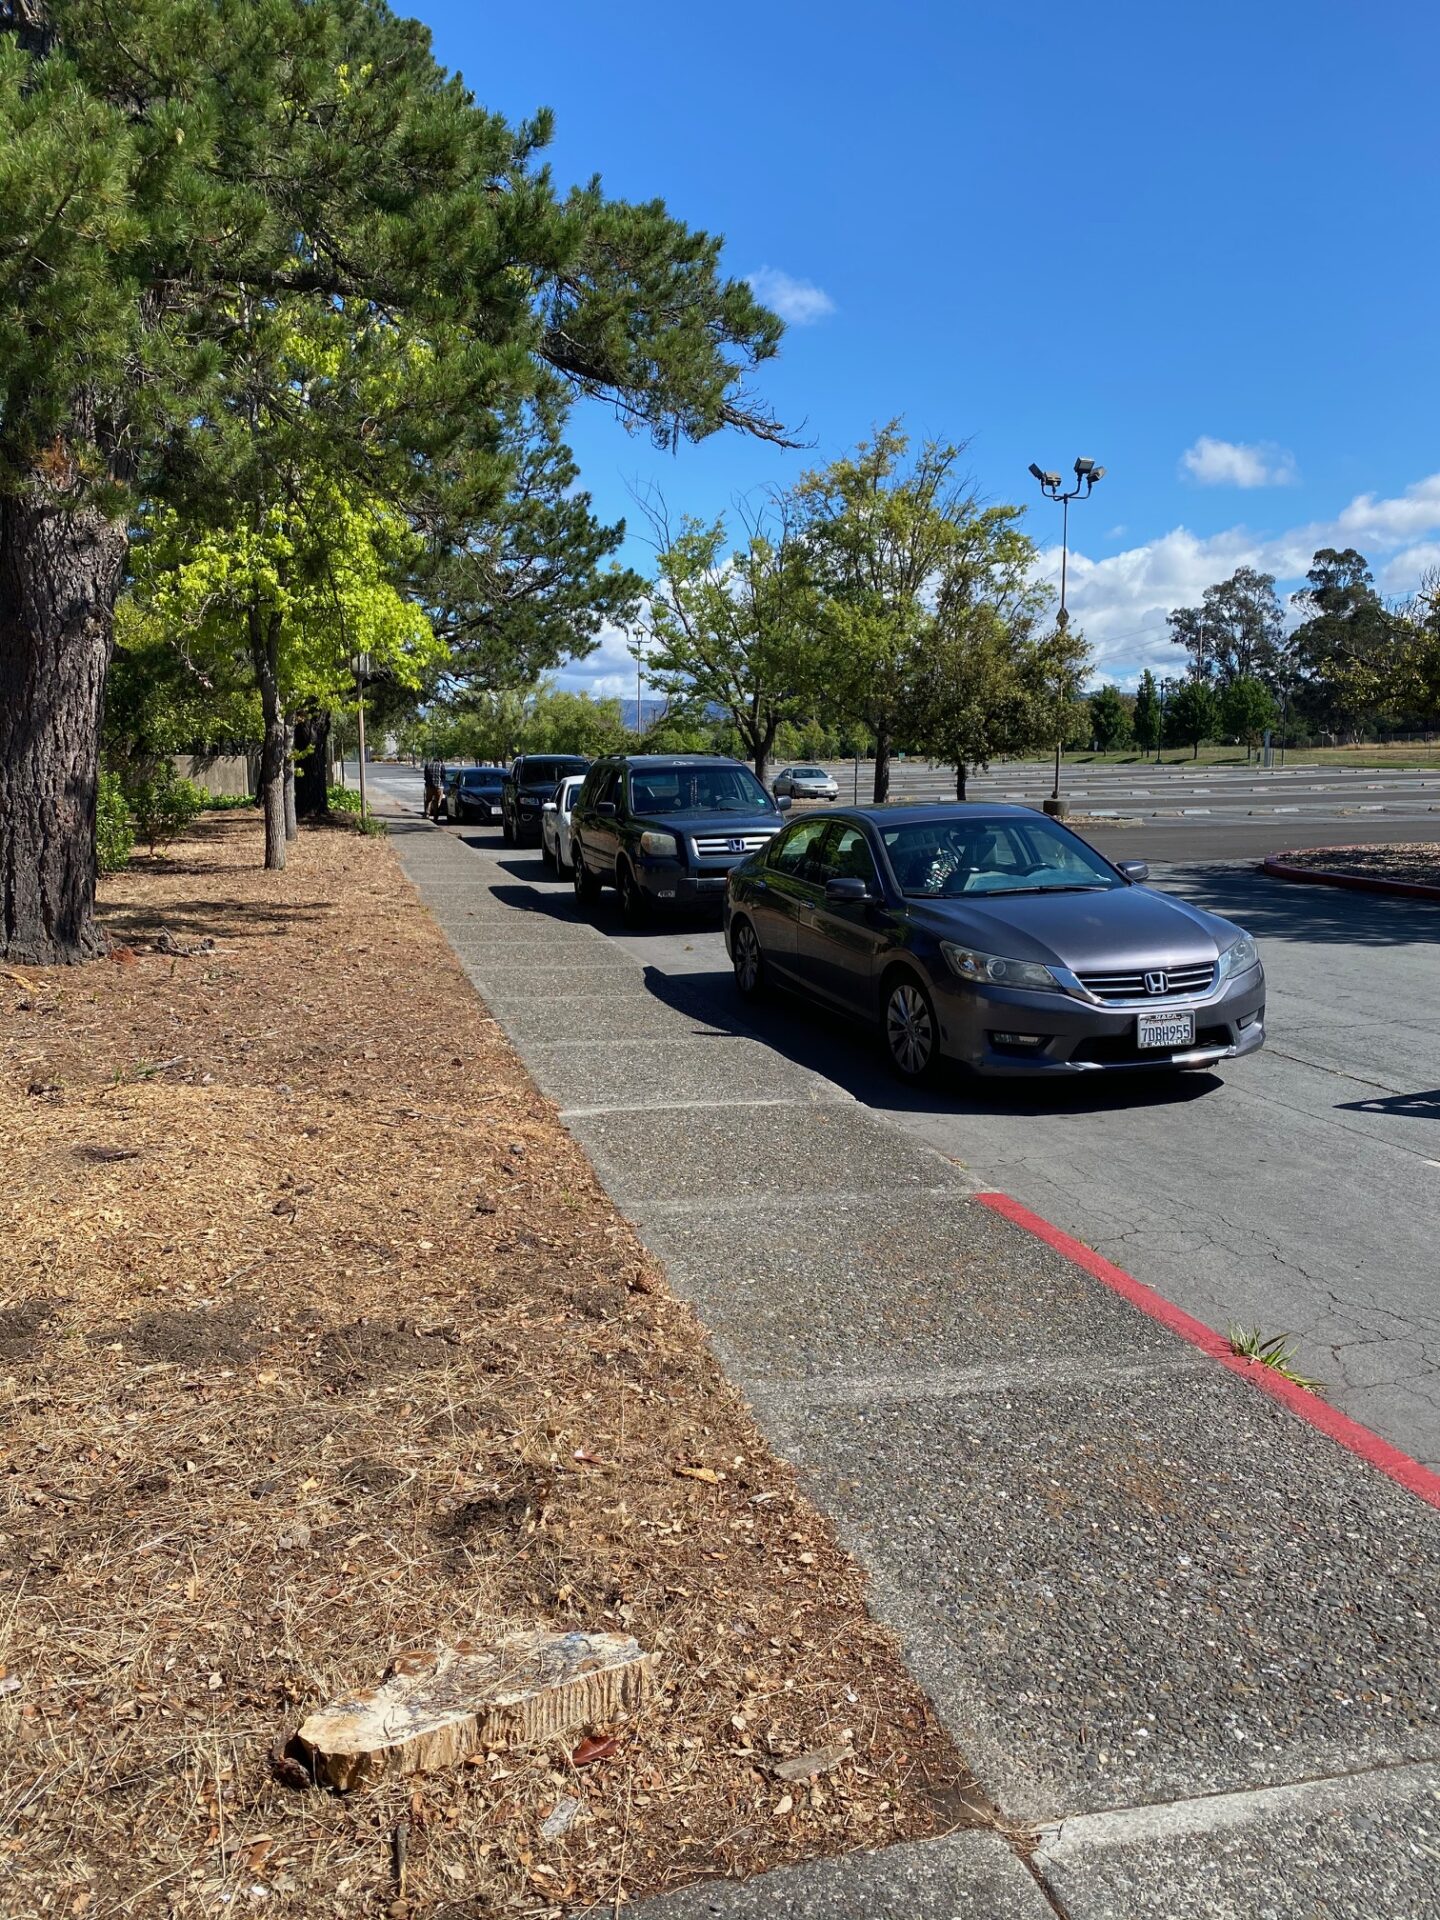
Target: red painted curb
(1335, 1425)
(1356, 882)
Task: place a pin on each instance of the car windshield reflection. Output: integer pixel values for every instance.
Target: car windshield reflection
(683, 789)
(942, 860)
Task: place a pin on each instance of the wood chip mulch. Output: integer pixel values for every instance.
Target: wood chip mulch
(319, 1339)
(1414, 862)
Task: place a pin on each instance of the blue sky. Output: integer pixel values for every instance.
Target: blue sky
(1196, 243)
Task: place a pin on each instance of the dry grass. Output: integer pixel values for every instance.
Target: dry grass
(318, 1338)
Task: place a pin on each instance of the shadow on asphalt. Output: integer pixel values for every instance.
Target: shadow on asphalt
(843, 1051)
(1405, 1106)
(1286, 910)
(827, 1042)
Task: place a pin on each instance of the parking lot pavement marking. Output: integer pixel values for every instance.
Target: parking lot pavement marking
(1194, 810)
(1307, 1406)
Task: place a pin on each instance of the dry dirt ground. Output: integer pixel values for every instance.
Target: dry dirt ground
(318, 1339)
(1410, 861)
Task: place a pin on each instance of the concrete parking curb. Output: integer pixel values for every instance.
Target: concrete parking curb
(1277, 865)
(1306, 1406)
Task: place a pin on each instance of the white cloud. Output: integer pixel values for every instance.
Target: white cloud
(799, 303)
(1121, 601)
(1231, 463)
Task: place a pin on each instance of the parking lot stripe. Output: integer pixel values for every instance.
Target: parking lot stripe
(1317, 1413)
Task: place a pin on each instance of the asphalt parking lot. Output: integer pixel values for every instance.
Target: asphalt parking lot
(1294, 1192)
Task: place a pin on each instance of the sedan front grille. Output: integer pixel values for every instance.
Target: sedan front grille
(714, 845)
(1149, 984)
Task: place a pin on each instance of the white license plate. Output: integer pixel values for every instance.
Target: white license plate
(1165, 1030)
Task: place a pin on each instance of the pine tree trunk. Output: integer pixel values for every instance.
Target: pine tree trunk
(265, 651)
(882, 764)
(292, 825)
(60, 569)
(312, 765)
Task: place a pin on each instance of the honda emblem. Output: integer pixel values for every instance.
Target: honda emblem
(1155, 983)
(736, 846)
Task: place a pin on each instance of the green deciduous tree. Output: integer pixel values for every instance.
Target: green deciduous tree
(733, 629)
(179, 196)
(1348, 646)
(1109, 719)
(896, 547)
(1192, 715)
(1247, 708)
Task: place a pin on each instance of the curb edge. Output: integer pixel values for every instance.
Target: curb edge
(1317, 1413)
(1279, 868)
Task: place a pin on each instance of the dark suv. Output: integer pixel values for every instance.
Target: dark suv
(528, 785)
(665, 829)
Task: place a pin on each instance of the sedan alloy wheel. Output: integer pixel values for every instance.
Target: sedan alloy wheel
(749, 962)
(910, 1035)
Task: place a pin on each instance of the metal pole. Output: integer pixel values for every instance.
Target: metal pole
(360, 710)
(1064, 622)
(855, 798)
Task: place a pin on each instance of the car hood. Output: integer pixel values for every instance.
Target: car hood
(1126, 927)
(711, 826)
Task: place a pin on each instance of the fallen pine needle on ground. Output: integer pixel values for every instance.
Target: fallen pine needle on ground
(319, 1340)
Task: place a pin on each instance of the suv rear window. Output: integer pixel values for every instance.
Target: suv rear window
(550, 772)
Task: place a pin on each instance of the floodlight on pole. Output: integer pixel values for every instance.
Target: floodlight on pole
(1086, 474)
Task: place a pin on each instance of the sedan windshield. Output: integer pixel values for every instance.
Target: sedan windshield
(682, 789)
(941, 859)
(808, 773)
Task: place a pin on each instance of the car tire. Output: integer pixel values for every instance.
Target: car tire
(507, 832)
(748, 961)
(587, 887)
(909, 1030)
(634, 907)
(546, 857)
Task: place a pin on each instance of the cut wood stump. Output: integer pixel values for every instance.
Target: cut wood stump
(437, 1706)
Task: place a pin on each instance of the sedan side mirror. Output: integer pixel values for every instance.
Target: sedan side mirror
(782, 802)
(846, 887)
(1136, 870)
(549, 807)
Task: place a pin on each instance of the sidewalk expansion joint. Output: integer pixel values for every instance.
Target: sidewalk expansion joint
(835, 1097)
(946, 1383)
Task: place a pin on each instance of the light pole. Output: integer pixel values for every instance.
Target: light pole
(360, 667)
(1168, 689)
(1053, 488)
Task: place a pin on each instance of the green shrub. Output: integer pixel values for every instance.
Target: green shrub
(113, 838)
(164, 805)
(343, 800)
(227, 802)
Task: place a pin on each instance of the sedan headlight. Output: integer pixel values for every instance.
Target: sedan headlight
(993, 969)
(1239, 958)
(659, 846)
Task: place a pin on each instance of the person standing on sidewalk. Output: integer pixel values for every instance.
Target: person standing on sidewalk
(434, 788)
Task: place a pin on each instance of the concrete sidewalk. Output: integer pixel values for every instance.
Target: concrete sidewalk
(1183, 1638)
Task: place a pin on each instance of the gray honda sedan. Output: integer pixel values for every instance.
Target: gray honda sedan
(994, 937)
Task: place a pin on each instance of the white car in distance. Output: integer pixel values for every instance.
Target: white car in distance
(555, 824)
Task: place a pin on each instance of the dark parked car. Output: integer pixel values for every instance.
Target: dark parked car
(473, 793)
(994, 937)
(528, 785)
(665, 829)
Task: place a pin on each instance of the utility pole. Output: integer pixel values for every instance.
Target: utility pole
(1052, 486)
(360, 667)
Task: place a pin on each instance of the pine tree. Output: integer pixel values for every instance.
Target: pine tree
(1145, 721)
(178, 202)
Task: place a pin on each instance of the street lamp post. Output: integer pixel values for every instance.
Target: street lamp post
(1053, 488)
(360, 667)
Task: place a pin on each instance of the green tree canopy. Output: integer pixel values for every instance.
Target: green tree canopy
(1247, 708)
(1145, 721)
(1192, 715)
(1237, 632)
(184, 201)
(1109, 719)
